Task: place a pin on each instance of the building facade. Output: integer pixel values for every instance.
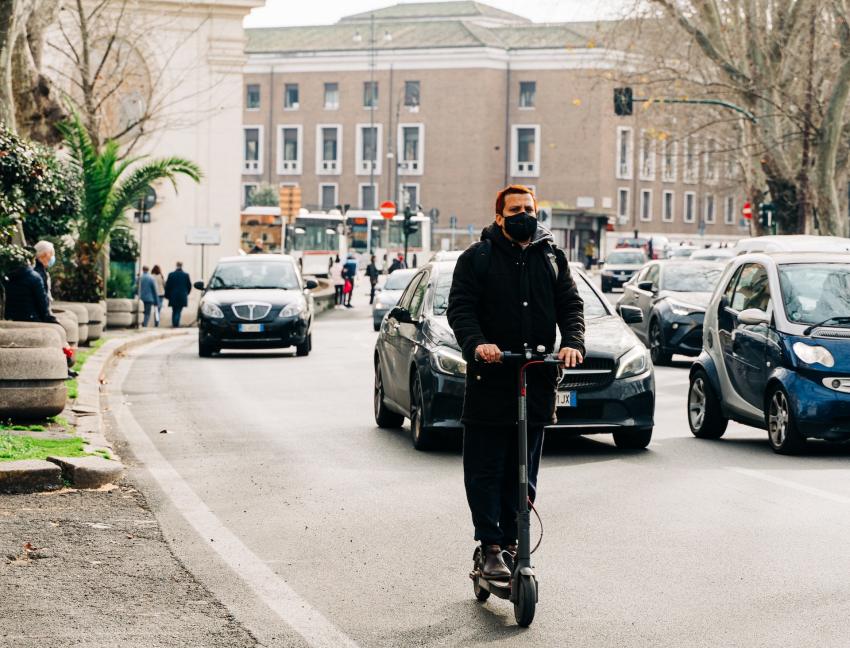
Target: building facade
(442, 104)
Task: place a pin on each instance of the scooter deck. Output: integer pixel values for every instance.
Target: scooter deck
(501, 588)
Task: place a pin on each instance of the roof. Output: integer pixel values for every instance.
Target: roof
(800, 257)
(256, 257)
(793, 243)
(432, 10)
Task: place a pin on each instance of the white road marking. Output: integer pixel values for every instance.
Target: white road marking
(293, 610)
(810, 490)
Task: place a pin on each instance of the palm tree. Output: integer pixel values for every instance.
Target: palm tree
(110, 188)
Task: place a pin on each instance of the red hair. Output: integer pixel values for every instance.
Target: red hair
(513, 189)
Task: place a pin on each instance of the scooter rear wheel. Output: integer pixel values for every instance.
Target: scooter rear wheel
(480, 593)
(525, 603)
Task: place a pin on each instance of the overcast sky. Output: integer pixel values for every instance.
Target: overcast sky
(323, 12)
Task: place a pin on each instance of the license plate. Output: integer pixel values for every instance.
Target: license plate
(566, 399)
(250, 328)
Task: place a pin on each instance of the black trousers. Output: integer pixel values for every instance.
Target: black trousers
(491, 478)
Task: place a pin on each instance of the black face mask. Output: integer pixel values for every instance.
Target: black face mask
(521, 227)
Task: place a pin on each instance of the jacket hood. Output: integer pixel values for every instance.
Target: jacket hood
(494, 233)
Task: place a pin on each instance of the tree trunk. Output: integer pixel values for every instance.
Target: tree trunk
(9, 30)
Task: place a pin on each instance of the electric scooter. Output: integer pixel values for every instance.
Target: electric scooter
(521, 589)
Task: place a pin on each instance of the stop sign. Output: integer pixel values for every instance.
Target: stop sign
(388, 209)
(747, 211)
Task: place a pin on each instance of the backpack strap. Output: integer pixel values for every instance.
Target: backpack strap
(554, 262)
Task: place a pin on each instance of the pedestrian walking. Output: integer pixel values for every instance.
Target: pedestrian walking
(337, 280)
(156, 273)
(149, 297)
(177, 289)
(26, 296)
(349, 273)
(259, 247)
(589, 254)
(510, 292)
(372, 272)
(45, 258)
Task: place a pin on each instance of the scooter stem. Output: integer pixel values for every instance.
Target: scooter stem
(523, 520)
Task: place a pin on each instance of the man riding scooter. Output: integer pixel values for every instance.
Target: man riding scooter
(510, 291)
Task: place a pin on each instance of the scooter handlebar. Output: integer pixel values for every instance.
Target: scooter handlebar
(529, 356)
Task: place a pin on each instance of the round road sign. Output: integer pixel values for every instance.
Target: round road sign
(747, 211)
(388, 209)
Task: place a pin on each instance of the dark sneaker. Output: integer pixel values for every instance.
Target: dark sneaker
(494, 568)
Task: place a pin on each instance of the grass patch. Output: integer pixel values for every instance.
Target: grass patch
(14, 448)
(83, 354)
(73, 390)
(15, 427)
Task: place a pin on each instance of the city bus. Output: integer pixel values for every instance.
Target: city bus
(315, 240)
(369, 233)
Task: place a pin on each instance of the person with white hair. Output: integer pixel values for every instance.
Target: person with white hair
(45, 257)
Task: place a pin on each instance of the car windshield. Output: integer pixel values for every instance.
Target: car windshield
(681, 252)
(813, 292)
(593, 306)
(626, 258)
(691, 277)
(255, 274)
(399, 279)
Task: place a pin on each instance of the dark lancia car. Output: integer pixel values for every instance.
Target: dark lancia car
(420, 372)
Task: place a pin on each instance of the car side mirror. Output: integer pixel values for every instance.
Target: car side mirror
(753, 317)
(631, 314)
(199, 285)
(648, 286)
(401, 315)
(311, 284)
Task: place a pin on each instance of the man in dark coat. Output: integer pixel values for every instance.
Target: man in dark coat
(510, 291)
(177, 289)
(26, 296)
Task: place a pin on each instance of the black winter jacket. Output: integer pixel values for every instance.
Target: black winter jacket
(519, 303)
(26, 296)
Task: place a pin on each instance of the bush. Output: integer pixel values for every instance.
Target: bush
(264, 196)
(120, 283)
(123, 245)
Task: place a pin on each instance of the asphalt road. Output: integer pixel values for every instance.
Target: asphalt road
(325, 529)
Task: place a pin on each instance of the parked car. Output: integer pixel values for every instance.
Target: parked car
(256, 301)
(672, 296)
(619, 267)
(681, 251)
(776, 350)
(420, 372)
(792, 243)
(446, 255)
(713, 254)
(389, 294)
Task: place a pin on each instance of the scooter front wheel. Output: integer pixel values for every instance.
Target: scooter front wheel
(525, 602)
(480, 593)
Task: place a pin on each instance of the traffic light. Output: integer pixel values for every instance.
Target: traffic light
(623, 102)
(409, 228)
(766, 214)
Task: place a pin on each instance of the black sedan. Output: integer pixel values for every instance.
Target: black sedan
(420, 372)
(255, 302)
(672, 296)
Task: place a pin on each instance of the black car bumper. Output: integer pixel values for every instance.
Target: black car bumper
(683, 333)
(617, 279)
(626, 403)
(276, 333)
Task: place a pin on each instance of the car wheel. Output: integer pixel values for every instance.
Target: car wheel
(205, 350)
(782, 430)
(606, 287)
(633, 439)
(659, 356)
(705, 416)
(422, 437)
(305, 347)
(383, 417)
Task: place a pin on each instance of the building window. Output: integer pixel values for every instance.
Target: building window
(368, 149)
(689, 213)
(729, 211)
(527, 92)
(370, 94)
(248, 188)
(328, 149)
(647, 156)
(410, 146)
(525, 145)
(710, 161)
(290, 96)
(252, 150)
(328, 196)
(410, 196)
(252, 96)
(368, 196)
(624, 153)
(710, 215)
(411, 95)
(691, 161)
(623, 205)
(646, 204)
(668, 160)
(331, 96)
(289, 150)
(668, 207)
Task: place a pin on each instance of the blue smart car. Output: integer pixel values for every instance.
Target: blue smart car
(776, 350)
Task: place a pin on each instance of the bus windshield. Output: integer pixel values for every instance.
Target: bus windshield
(316, 234)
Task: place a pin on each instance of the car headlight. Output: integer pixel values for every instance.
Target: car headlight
(379, 305)
(448, 361)
(633, 362)
(293, 310)
(812, 354)
(211, 310)
(681, 308)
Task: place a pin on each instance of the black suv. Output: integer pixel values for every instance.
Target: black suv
(255, 302)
